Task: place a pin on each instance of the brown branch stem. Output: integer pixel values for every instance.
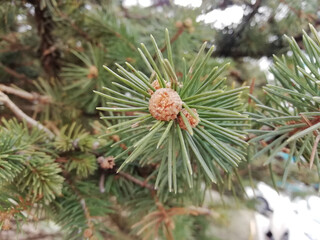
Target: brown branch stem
(86, 213)
(101, 182)
(32, 97)
(83, 205)
(137, 181)
(21, 115)
(15, 74)
(314, 150)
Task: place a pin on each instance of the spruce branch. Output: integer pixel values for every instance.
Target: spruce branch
(21, 115)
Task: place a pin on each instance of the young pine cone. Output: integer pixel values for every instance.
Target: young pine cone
(165, 104)
(193, 122)
(156, 85)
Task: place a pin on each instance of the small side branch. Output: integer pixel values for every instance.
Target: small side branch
(32, 97)
(21, 115)
(15, 74)
(136, 181)
(86, 213)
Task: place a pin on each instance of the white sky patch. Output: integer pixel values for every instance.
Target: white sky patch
(282, 12)
(265, 64)
(223, 18)
(88, 6)
(142, 3)
(24, 28)
(188, 3)
(147, 3)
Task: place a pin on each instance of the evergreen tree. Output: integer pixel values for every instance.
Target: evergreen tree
(173, 123)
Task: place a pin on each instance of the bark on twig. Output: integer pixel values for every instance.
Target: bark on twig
(136, 181)
(15, 74)
(21, 115)
(32, 97)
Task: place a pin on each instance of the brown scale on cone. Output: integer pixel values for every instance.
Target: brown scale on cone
(193, 122)
(106, 162)
(156, 85)
(165, 104)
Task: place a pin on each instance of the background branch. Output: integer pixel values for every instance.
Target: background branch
(24, 94)
(21, 115)
(136, 181)
(15, 74)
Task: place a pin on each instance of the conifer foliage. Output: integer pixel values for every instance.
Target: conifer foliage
(176, 120)
(172, 128)
(290, 116)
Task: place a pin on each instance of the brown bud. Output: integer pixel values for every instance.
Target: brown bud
(93, 72)
(106, 163)
(87, 233)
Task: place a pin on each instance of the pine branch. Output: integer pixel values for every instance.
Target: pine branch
(21, 115)
(194, 102)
